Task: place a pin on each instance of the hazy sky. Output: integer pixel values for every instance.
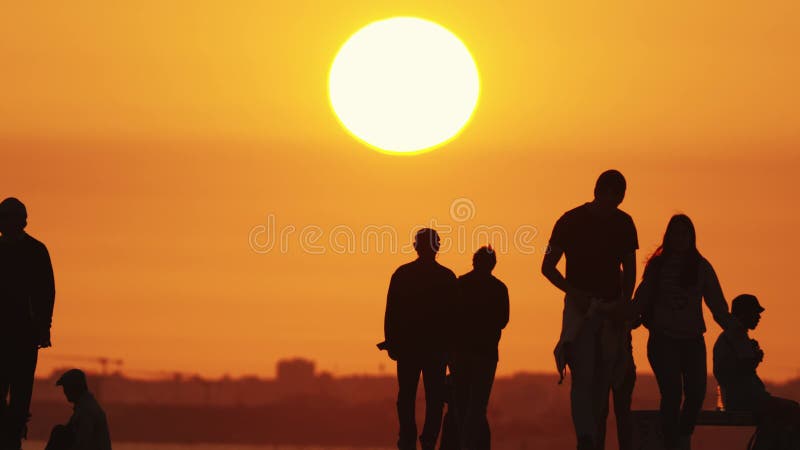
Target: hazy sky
(150, 140)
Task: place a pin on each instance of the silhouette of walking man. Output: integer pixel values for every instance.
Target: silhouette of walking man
(481, 314)
(27, 292)
(599, 242)
(421, 295)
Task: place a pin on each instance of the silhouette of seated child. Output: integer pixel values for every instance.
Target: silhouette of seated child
(736, 358)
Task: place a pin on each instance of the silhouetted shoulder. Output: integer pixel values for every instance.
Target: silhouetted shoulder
(707, 272)
(416, 267)
(473, 276)
(405, 268)
(445, 271)
(35, 243)
(573, 213)
(566, 225)
(499, 283)
(623, 216)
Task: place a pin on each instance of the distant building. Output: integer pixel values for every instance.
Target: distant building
(296, 372)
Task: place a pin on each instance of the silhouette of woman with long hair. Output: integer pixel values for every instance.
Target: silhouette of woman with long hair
(676, 281)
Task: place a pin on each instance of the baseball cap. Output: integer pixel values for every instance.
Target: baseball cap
(72, 377)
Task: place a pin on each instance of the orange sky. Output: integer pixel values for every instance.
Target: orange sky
(149, 139)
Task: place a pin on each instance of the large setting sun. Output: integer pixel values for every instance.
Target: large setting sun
(404, 85)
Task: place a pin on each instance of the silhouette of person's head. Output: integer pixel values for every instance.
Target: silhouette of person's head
(13, 216)
(426, 243)
(680, 240)
(680, 236)
(74, 383)
(609, 191)
(746, 308)
(484, 260)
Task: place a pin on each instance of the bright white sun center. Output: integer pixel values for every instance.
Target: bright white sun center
(403, 85)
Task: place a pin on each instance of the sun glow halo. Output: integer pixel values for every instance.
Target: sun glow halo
(403, 85)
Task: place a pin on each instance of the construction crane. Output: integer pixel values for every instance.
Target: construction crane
(103, 361)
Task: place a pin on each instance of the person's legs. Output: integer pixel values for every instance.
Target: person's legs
(623, 394)
(450, 428)
(20, 392)
(449, 440)
(433, 377)
(462, 378)
(664, 359)
(693, 368)
(582, 361)
(6, 364)
(61, 438)
(408, 370)
(601, 408)
(484, 440)
(480, 389)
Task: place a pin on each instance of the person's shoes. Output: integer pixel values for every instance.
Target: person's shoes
(585, 443)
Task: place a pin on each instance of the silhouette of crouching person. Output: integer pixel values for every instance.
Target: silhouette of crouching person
(421, 294)
(87, 429)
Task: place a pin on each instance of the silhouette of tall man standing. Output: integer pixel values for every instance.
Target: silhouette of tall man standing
(421, 295)
(27, 293)
(599, 242)
(481, 314)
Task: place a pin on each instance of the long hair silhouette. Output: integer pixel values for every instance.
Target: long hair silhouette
(691, 258)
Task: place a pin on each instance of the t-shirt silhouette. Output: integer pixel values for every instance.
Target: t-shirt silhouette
(594, 245)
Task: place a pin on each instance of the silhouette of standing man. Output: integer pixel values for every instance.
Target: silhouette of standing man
(416, 326)
(599, 242)
(27, 293)
(481, 314)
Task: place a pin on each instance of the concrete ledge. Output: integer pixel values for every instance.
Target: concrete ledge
(707, 418)
(647, 425)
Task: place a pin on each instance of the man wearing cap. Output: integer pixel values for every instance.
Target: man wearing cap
(421, 297)
(736, 358)
(87, 429)
(27, 293)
